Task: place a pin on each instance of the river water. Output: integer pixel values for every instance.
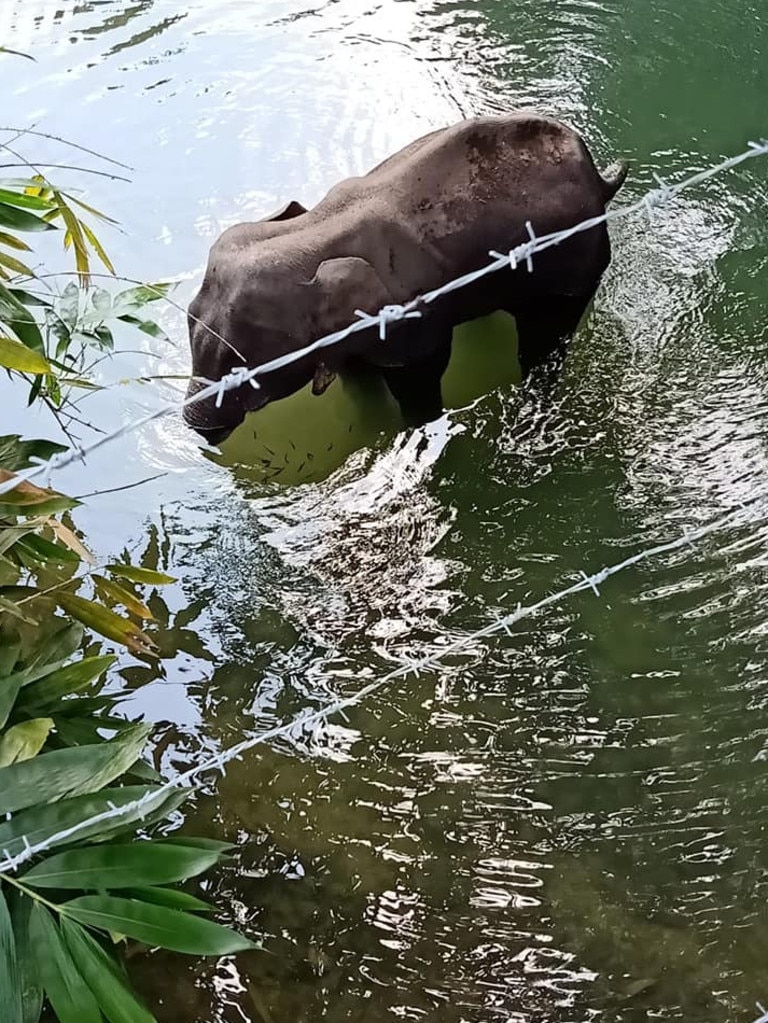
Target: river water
(564, 824)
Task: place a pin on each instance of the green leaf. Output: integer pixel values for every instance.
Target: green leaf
(156, 925)
(10, 608)
(120, 866)
(170, 897)
(14, 314)
(42, 823)
(10, 536)
(29, 981)
(9, 691)
(39, 549)
(15, 355)
(29, 202)
(132, 299)
(221, 848)
(145, 326)
(10, 981)
(10, 648)
(69, 772)
(16, 453)
(67, 991)
(22, 220)
(26, 495)
(142, 771)
(51, 654)
(104, 976)
(140, 575)
(26, 297)
(47, 693)
(24, 741)
(106, 622)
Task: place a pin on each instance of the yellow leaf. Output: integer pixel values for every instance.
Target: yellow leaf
(12, 242)
(24, 741)
(15, 355)
(15, 265)
(106, 623)
(97, 247)
(68, 538)
(120, 595)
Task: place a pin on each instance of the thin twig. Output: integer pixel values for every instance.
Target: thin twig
(66, 142)
(66, 166)
(116, 490)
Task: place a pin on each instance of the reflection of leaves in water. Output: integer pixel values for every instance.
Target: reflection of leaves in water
(112, 22)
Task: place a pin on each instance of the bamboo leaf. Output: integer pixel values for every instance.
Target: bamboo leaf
(156, 925)
(12, 242)
(28, 202)
(107, 867)
(22, 220)
(69, 772)
(16, 453)
(40, 549)
(31, 990)
(90, 209)
(10, 980)
(15, 355)
(68, 993)
(111, 591)
(46, 694)
(10, 535)
(43, 822)
(104, 976)
(14, 314)
(9, 691)
(106, 623)
(15, 265)
(10, 608)
(97, 247)
(140, 575)
(132, 299)
(27, 495)
(65, 536)
(145, 326)
(75, 233)
(170, 897)
(24, 741)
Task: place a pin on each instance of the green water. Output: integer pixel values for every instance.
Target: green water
(563, 825)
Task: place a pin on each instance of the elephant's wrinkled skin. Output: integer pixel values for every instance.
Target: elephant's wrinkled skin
(422, 217)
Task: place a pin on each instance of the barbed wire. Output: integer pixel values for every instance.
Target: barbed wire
(388, 314)
(764, 1011)
(408, 666)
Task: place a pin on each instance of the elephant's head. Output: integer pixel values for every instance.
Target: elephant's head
(260, 301)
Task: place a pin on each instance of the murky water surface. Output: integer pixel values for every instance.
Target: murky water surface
(563, 824)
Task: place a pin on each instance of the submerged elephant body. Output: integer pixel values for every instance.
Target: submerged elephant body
(426, 215)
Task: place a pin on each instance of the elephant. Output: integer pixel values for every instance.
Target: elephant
(427, 214)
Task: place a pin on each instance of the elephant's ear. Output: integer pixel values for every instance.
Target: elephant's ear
(346, 284)
(288, 212)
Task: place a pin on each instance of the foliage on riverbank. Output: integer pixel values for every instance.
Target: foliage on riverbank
(65, 753)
